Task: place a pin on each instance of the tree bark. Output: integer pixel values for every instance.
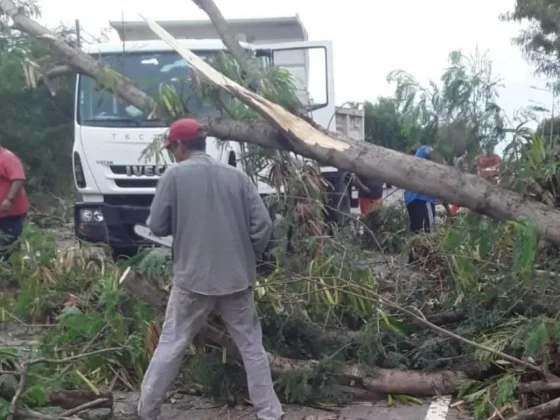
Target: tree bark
(539, 412)
(296, 135)
(388, 381)
(229, 38)
(538, 386)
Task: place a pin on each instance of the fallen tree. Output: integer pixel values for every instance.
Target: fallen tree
(378, 380)
(291, 133)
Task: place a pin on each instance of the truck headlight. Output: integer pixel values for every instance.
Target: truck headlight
(88, 216)
(98, 216)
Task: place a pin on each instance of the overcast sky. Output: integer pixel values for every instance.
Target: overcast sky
(370, 37)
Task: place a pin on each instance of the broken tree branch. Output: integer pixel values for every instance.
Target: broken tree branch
(388, 381)
(231, 42)
(394, 167)
(86, 406)
(228, 37)
(296, 135)
(78, 59)
(23, 373)
(419, 318)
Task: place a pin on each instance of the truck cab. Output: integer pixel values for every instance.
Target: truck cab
(115, 183)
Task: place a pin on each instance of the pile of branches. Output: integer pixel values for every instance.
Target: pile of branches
(483, 326)
(483, 322)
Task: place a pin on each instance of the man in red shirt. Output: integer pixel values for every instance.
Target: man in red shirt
(14, 204)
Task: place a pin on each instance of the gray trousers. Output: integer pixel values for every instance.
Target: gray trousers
(186, 314)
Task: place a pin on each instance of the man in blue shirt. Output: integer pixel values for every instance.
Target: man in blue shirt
(422, 208)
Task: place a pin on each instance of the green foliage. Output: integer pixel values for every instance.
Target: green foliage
(383, 125)
(539, 38)
(304, 385)
(486, 398)
(531, 168)
(460, 115)
(36, 125)
(78, 291)
(387, 227)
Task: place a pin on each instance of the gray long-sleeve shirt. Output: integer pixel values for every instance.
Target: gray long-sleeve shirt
(219, 223)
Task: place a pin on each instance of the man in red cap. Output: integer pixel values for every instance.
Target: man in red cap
(220, 226)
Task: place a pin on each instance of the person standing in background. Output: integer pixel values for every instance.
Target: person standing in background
(14, 204)
(422, 208)
(370, 193)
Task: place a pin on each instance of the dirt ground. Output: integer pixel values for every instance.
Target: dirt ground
(185, 407)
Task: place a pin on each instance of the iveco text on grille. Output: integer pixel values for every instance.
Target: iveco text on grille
(145, 170)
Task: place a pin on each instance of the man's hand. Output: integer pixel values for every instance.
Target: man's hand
(6, 205)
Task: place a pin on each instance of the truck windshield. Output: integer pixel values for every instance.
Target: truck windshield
(97, 107)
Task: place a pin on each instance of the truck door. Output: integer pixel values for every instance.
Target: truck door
(310, 64)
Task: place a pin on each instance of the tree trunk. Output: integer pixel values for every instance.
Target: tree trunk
(388, 381)
(294, 134)
(540, 412)
(228, 37)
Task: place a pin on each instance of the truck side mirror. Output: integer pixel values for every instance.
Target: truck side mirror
(309, 70)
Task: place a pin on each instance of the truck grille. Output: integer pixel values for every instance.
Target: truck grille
(136, 183)
(141, 176)
(129, 200)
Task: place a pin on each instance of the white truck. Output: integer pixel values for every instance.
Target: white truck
(115, 185)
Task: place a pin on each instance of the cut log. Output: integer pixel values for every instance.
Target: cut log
(538, 386)
(296, 135)
(540, 412)
(388, 381)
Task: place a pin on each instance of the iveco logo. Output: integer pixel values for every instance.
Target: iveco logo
(145, 170)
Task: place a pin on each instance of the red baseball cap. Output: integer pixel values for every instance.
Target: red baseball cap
(184, 130)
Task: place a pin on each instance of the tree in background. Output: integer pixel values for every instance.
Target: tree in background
(456, 116)
(544, 130)
(36, 123)
(539, 40)
(383, 126)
